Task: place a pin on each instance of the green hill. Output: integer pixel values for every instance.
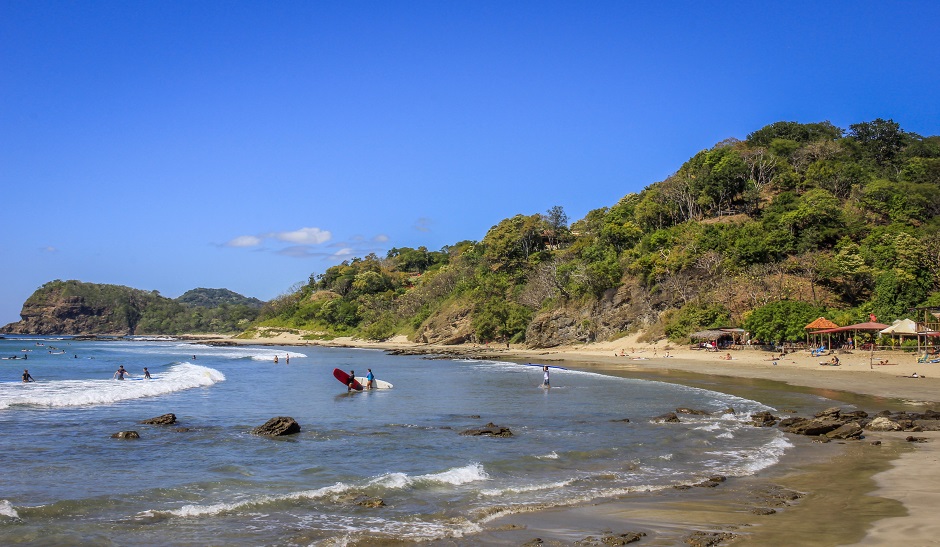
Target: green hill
(825, 220)
(75, 307)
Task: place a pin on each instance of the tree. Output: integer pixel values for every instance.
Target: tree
(880, 139)
(781, 321)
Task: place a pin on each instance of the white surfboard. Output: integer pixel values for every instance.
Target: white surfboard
(376, 384)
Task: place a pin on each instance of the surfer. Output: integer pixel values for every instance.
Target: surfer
(545, 376)
(351, 380)
(27, 377)
(287, 359)
(120, 373)
(369, 379)
(275, 359)
(146, 373)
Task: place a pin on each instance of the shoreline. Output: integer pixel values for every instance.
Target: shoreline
(855, 492)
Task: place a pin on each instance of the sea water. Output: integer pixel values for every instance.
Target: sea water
(208, 480)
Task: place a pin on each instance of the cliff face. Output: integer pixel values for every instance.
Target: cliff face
(73, 307)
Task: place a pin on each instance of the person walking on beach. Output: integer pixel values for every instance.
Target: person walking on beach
(27, 377)
(545, 376)
(147, 373)
(120, 373)
(369, 379)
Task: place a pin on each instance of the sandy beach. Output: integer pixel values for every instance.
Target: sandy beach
(852, 493)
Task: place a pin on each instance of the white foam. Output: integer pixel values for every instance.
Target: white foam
(454, 476)
(525, 488)
(65, 393)
(7, 510)
(193, 511)
(550, 456)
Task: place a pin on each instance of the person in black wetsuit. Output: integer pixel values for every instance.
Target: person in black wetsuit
(27, 377)
(120, 373)
(146, 373)
(351, 380)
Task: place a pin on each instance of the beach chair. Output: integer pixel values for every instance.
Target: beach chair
(922, 359)
(821, 350)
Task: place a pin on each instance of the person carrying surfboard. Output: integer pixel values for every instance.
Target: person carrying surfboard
(370, 378)
(351, 380)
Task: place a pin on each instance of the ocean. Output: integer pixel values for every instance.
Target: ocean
(208, 481)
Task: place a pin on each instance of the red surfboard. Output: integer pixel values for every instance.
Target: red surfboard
(343, 378)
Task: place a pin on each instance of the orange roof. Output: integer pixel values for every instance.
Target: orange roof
(821, 323)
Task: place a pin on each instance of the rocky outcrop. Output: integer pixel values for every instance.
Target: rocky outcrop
(490, 430)
(166, 419)
(669, 418)
(614, 313)
(279, 426)
(448, 328)
(126, 435)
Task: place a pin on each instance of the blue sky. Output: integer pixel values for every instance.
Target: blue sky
(173, 145)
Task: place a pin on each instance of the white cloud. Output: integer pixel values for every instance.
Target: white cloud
(381, 238)
(49, 249)
(345, 251)
(244, 241)
(304, 236)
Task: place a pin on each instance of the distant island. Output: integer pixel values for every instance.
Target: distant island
(796, 221)
(75, 307)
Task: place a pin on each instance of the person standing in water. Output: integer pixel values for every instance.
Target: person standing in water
(545, 376)
(287, 359)
(27, 377)
(275, 359)
(120, 373)
(370, 378)
(147, 373)
(351, 380)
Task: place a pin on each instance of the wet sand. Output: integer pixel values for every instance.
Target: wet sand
(851, 493)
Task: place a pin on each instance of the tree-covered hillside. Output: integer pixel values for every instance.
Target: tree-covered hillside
(843, 222)
(75, 307)
(213, 298)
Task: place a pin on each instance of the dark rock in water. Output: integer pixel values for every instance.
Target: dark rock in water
(854, 415)
(913, 439)
(708, 539)
(669, 418)
(711, 482)
(729, 410)
(851, 430)
(876, 443)
(276, 427)
(763, 511)
(126, 435)
(166, 419)
(819, 426)
(371, 503)
(181, 429)
(821, 439)
(692, 411)
(610, 539)
(535, 542)
(489, 429)
(763, 419)
(624, 420)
